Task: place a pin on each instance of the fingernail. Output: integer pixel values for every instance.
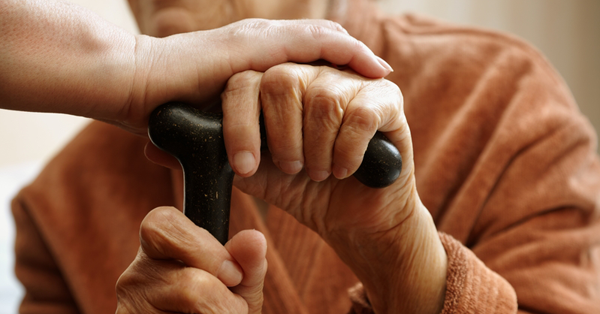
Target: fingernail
(290, 167)
(244, 162)
(340, 172)
(230, 274)
(318, 175)
(385, 64)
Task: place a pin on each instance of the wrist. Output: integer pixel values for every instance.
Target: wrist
(189, 68)
(402, 269)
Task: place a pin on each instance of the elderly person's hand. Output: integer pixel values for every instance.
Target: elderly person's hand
(181, 268)
(58, 57)
(321, 119)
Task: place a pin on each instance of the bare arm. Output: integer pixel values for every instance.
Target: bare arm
(58, 57)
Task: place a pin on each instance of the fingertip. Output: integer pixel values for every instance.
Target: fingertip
(252, 257)
(256, 239)
(230, 273)
(385, 65)
(290, 167)
(340, 172)
(245, 163)
(318, 175)
(370, 65)
(373, 68)
(249, 248)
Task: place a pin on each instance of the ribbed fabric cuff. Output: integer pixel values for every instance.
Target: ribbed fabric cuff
(471, 287)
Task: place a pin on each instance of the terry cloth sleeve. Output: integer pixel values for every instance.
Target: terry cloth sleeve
(470, 285)
(77, 224)
(507, 166)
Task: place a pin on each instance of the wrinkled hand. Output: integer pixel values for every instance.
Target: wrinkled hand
(319, 121)
(181, 268)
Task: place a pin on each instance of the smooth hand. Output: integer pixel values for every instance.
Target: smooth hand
(318, 121)
(194, 67)
(58, 57)
(181, 268)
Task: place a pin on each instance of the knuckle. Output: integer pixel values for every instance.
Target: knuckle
(316, 31)
(197, 291)
(123, 283)
(336, 26)
(363, 120)
(251, 23)
(138, 273)
(259, 23)
(241, 79)
(388, 88)
(244, 30)
(325, 103)
(393, 90)
(126, 292)
(191, 284)
(154, 226)
(240, 83)
(279, 79)
(149, 228)
(159, 215)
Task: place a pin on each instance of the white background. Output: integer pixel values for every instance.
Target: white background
(566, 31)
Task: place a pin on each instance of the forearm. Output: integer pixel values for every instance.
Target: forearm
(402, 270)
(58, 57)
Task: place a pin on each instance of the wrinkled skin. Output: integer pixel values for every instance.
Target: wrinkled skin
(319, 120)
(170, 273)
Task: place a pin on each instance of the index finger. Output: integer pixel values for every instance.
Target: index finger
(302, 41)
(166, 233)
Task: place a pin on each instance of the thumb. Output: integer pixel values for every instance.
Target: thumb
(249, 249)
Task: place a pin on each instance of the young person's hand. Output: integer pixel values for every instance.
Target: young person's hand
(58, 57)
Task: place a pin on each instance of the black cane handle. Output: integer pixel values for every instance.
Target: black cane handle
(195, 138)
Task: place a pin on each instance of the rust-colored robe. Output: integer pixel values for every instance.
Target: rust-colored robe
(505, 163)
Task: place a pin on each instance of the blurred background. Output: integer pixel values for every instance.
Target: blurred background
(566, 31)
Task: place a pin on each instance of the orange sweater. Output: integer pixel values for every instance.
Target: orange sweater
(504, 161)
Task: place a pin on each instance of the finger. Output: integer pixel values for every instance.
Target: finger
(249, 248)
(324, 104)
(135, 280)
(377, 106)
(196, 291)
(281, 91)
(166, 233)
(170, 286)
(130, 290)
(300, 42)
(241, 131)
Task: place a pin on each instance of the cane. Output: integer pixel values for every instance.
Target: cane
(195, 138)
